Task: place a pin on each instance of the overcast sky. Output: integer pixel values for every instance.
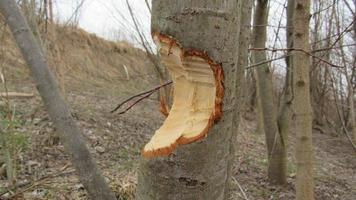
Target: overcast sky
(106, 18)
(111, 19)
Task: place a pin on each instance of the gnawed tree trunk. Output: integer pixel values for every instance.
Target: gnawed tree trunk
(47, 86)
(193, 35)
(301, 102)
(276, 145)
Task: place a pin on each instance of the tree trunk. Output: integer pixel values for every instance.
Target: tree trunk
(301, 102)
(285, 106)
(198, 170)
(352, 118)
(67, 129)
(243, 60)
(276, 149)
(351, 88)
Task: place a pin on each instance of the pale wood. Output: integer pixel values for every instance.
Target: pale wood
(197, 97)
(15, 95)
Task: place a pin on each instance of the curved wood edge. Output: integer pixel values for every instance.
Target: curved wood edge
(217, 113)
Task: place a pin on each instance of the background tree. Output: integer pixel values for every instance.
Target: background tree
(275, 141)
(301, 102)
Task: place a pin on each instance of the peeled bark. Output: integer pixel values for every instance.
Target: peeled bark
(301, 102)
(198, 170)
(47, 86)
(276, 149)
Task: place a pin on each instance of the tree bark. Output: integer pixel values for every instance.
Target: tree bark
(351, 88)
(301, 103)
(47, 86)
(276, 147)
(198, 170)
(243, 60)
(285, 106)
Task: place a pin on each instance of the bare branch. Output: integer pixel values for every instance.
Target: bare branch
(143, 95)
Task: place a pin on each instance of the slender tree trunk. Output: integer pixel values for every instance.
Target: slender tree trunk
(301, 103)
(243, 60)
(67, 129)
(50, 10)
(198, 170)
(244, 43)
(351, 87)
(276, 149)
(352, 118)
(285, 107)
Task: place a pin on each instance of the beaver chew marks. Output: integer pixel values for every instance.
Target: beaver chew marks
(197, 97)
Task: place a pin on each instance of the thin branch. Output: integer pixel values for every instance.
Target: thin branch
(349, 7)
(30, 185)
(241, 189)
(266, 61)
(143, 95)
(75, 13)
(313, 51)
(136, 102)
(324, 9)
(148, 6)
(301, 50)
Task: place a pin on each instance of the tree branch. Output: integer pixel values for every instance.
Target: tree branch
(142, 95)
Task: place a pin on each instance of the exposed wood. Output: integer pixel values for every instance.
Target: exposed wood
(198, 93)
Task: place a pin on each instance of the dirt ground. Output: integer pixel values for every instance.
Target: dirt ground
(115, 142)
(44, 170)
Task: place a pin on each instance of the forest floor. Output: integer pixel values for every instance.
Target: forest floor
(115, 141)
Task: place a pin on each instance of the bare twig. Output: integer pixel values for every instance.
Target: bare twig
(142, 95)
(266, 61)
(148, 6)
(75, 13)
(301, 50)
(30, 185)
(241, 189)
(16, 95)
